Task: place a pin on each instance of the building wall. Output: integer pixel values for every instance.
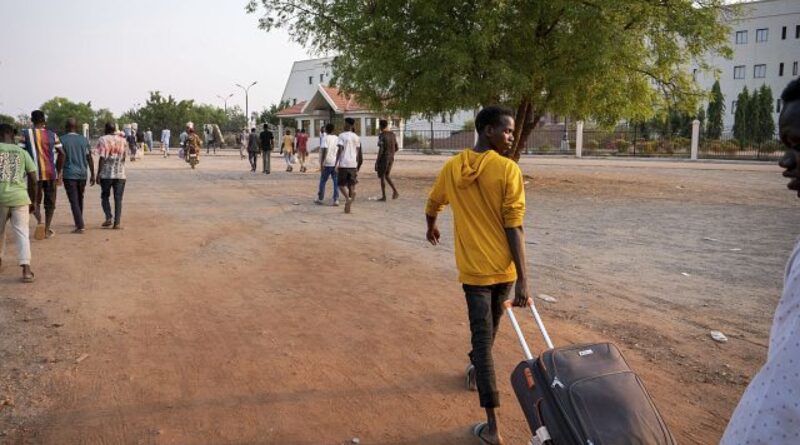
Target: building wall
(772, 15)
(298, 88)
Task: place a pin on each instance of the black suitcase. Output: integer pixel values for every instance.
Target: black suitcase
(584, 395)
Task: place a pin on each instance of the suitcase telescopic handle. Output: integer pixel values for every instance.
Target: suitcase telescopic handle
(518, 330)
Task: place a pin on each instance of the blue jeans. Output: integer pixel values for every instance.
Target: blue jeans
(323, 179)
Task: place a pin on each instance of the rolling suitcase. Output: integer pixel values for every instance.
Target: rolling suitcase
(584, 395)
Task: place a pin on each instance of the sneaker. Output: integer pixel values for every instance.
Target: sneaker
(318, 202)
(107, 223)
(335, 203)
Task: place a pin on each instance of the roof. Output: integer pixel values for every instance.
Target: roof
(339, 102)
(293, 110)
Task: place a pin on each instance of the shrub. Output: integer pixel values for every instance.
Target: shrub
(622, 145)
(592, 144)
(546, 148)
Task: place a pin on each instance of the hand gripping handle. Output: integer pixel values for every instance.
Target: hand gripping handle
(518, 330)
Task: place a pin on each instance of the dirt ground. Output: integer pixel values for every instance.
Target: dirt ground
(232, 310)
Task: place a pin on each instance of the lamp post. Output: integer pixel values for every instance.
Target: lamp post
(225, 101)
(246, 101)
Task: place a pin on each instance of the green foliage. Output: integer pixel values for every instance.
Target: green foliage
(59, 109)
(270, 115)
(741, 118)
(236, 120)
(625, 58)
(102, 116)
(716, 110)
(6, 119)
(764, 126)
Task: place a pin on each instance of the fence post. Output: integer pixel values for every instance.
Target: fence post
(695, 138)
(579, 139)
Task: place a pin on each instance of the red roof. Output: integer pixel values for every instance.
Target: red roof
(293, 110)
(342, 102)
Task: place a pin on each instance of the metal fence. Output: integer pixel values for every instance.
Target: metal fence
(540, 141)
(727, 147)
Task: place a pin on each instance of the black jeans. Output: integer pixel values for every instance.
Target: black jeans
(46, 193)
(485, 306)
(253, 155)
(119, 188)
(75, 189)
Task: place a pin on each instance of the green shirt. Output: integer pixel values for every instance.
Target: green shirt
(76, 148)
(14, 164)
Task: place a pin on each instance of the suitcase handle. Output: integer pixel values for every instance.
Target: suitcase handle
(518, 330)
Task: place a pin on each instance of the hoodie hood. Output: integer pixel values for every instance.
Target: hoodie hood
(471, 166)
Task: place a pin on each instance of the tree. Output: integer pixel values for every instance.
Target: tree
(270, 115)
(101, 117)
(161, 112)
(59, 109)
(6, 119)
(741, 118)
(602, 59)
(235, 121)
(716, 110)
(764, 125)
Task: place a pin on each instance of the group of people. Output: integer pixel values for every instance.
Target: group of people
(32, 169)
(340, 157)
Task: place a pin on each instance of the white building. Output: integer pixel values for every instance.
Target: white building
(308, 82)
(766, 51)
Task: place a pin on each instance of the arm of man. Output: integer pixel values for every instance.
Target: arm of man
(33, 184)
(90, 163)
(339, 156)
(359, 159)
(437, 199)
(60, 163)
(323, 153)
(513, 215)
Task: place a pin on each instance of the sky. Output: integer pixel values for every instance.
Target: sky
(114, 53)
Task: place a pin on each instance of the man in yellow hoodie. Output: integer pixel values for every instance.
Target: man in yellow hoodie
(487, 196)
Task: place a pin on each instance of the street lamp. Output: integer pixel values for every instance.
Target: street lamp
(246, 103)
(225, 101)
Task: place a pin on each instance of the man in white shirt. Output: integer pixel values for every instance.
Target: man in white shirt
(165, 134)
(328, 150)
(769, 411)
(348, 162)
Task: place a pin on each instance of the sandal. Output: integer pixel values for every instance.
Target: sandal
(477, 431)
(29, 278)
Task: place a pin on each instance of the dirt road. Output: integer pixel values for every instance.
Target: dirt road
(232, 310)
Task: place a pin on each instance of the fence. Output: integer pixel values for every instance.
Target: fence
(623, 141)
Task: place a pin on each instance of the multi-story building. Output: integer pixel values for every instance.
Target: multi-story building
(765, 40)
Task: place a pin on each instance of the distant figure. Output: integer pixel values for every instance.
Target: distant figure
(140, 140)
(387, 147)
(253, 147)
(131, 139)
(165, 134)
(243, 137)
(328, 150)
(18, 187)
(209, 137)
(267, 142)
(77, 159)
(287, 148)
(301, 141)
(111, 152)
(348, 163)
(769, 412)
(43, 145)
(148, 140)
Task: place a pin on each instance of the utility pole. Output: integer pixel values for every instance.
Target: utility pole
(246, 101)
(225, 101)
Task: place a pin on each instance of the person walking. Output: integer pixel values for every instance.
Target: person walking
(165, 134)
(43, 145)
(111, 152)
(328, 150)
(18, 186)
(243, 137)
(148, 141)
(77, 159)
(267, 141)
(387, 147)
(287, 149)
(253, 147)
(348, 163)
(301, 141)
(486, 193)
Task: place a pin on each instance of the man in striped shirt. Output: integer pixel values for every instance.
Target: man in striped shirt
(43, 144)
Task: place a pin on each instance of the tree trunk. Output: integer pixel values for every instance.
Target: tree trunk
(522, 130)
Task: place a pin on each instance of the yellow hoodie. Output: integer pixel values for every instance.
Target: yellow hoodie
(487, 196)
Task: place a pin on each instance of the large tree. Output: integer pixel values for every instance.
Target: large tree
(763, 125)
(606, 59)
(59, 109)
(716, 111)
(742, 118)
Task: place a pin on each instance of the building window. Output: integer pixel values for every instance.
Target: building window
(395, 124)
(762, 34)
(319, 125)
(733, 107)
(780, 69)
(797, 32)
(778, 106)
(783, 33)
(794, 68)
(357, 126)
(694, 74)
(322, 78)
(371, 125)
(294, 101)
(741, 37)
(759, 71)
(738, 72)
(311, 80)
(305, 125)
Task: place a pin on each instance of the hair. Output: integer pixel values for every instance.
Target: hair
(302, 130)
(72, 124)
(491, 115)
(7, 129)
(288, 131)
(329, 128)
(253, 130)
(349, 121)
(792, 91)
(266, 126)
(37, 116)
(382, 124)
(110, 128)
